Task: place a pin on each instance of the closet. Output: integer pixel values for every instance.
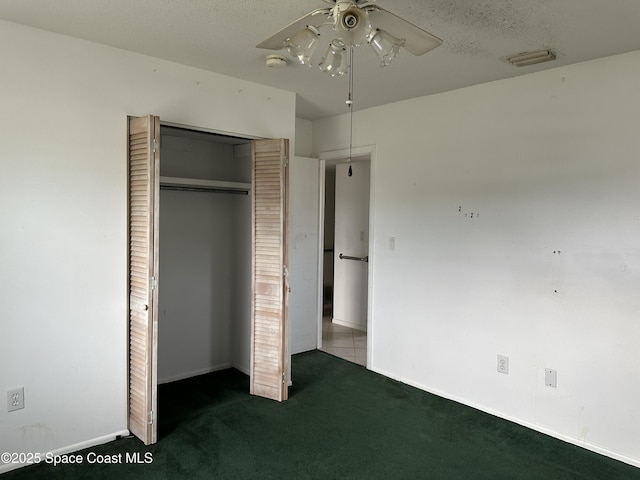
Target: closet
(205, 254)
(207, 262)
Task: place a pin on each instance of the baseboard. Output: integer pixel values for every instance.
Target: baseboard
(346, 323)
(565, 438)
(7, 467)
(195, 373)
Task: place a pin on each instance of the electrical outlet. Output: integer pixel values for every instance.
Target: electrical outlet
(15, 399)
(551, 377)
(503, 364)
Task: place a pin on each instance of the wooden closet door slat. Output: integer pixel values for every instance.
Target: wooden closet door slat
(143, 266)
(269, 329)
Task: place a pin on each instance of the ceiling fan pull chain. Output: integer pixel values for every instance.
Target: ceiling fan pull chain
(350, 105)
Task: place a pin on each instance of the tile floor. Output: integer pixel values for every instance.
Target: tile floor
(344, 342)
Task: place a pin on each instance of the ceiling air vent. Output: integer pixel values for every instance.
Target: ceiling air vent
(531, 58)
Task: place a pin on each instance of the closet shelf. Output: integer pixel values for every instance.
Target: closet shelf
(204, 184)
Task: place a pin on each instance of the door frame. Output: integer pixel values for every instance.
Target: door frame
(366, 152)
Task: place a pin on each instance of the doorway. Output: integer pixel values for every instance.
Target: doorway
(345, 213)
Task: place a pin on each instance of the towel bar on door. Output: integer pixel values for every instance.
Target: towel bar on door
(360, 259)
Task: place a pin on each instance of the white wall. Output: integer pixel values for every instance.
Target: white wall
(195, 288)
(241, 326)
(304, 137)
(63, 285)
(350, 297)
(546, 163)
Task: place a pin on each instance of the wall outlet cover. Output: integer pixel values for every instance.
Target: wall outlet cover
(15, 399)
(503, 364)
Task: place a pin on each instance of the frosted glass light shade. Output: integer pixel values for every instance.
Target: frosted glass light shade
(385, 45)
(302, 45)
(335, 60)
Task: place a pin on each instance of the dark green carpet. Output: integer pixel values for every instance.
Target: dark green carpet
(341, 422)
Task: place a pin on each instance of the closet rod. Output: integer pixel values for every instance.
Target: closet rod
(204, 190)
(201, 185)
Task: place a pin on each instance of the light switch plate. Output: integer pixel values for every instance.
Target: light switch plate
(550, 377)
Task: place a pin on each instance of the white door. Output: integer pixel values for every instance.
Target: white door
(304, 204)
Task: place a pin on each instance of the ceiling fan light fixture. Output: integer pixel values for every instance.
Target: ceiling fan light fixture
(352, 25)
(531, 58)
(385, 45)
(302, 45)
(335, 60)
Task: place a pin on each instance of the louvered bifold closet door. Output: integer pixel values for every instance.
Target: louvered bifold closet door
(269, 336)
(143, 266)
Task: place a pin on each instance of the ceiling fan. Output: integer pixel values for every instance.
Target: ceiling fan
(354, 22)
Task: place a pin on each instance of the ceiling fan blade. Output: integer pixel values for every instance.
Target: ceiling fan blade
(417, 40)
(315, 18)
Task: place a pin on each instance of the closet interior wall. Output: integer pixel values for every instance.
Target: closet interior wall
(205, 257)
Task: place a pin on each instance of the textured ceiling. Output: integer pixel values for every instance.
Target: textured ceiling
(220, 35)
